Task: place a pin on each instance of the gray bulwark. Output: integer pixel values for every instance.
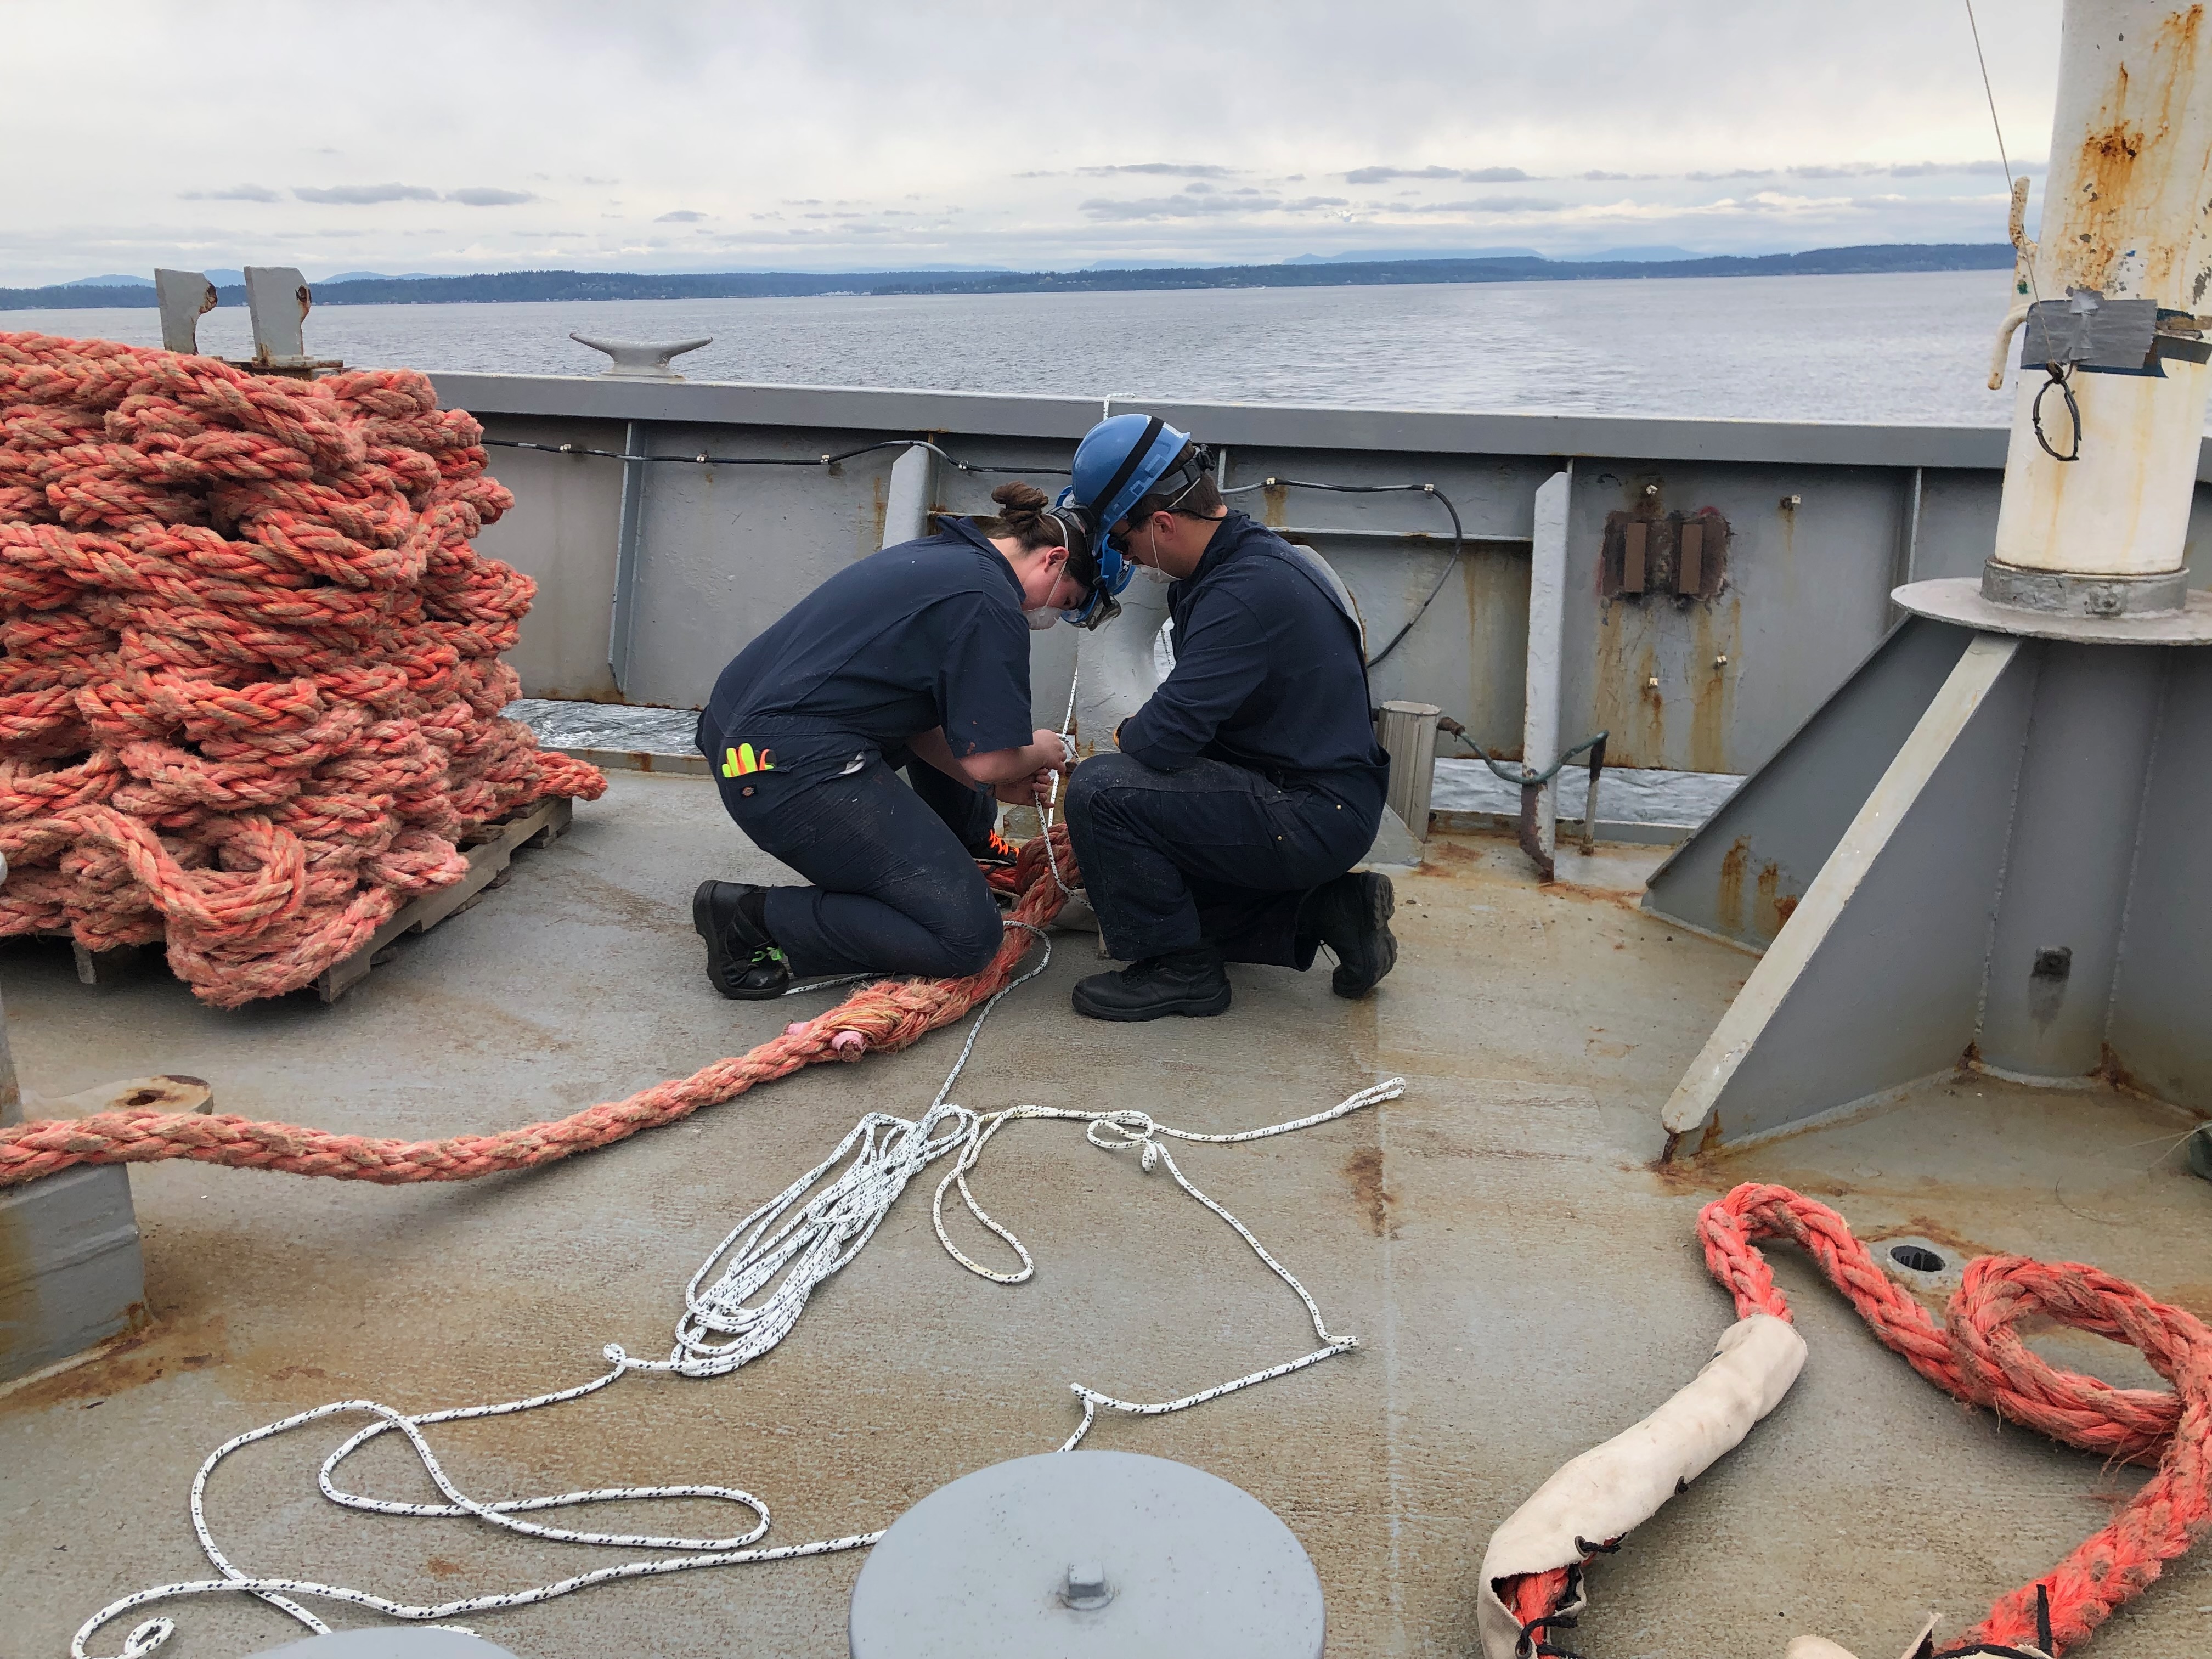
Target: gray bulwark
(70, 1274)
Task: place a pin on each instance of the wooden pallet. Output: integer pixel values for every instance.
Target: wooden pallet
(488, 849)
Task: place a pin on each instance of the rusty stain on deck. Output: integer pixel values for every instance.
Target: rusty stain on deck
(1363, 1171)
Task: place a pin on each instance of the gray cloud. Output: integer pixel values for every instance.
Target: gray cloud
(1163, 169)
(1192, 207)
(235, 193)
(1598, 175)
(823, 84)
(1990, 167)
(363, 195)
(485, 195)
(1489, 204)
(681, 216)
(1457, 175)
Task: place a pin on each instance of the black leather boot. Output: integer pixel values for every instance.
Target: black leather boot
(1192, 983)
(742, 960)
(1352, 916)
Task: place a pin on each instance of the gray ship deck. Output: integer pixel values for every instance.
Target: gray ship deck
(1524, 1281)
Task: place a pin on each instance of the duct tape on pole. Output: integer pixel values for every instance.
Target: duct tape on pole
(1103, 1554)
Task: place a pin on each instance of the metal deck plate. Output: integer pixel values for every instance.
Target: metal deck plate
(1007, 1562)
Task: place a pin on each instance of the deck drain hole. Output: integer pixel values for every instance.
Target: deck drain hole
(1917, 1259)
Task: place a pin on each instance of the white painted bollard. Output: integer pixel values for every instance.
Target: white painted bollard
(2127, 223)
(1115, 672)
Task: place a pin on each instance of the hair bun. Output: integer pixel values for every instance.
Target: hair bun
(1018, 497)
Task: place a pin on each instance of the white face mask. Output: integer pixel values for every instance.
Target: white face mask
(1042, 619)
(1152, 574)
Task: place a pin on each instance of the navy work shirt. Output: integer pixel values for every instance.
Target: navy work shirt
(928, 633)
(1269, 673)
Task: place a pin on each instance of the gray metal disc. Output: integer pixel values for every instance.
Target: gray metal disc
(1003, 1563)
(1959, 600)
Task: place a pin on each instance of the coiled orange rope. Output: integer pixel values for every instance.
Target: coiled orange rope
(1976, 1355)
(250, 681)
(882, 1017)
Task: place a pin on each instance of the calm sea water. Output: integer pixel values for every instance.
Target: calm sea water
(1905, 347)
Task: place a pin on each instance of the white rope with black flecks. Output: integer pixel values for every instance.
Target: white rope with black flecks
(794, 1242)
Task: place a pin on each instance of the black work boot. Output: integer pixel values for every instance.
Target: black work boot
(1191, 982)
(742, 960)
(1351, 914)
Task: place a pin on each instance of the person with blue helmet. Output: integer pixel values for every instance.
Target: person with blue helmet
(915, 658)
(1224, 824)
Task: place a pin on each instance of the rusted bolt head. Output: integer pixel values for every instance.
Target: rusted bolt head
(1652, 684)
(1721, 661)
(1651, 489)
(1791, 503)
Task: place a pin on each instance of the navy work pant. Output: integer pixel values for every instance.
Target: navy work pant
(1213, 854)
(895, 888)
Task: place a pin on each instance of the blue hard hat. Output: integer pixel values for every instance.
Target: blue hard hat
(1120, 459)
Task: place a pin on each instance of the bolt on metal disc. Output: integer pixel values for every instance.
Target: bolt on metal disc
(1088, 1555)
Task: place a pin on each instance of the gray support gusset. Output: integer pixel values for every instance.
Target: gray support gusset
(1547, 627)
(1750, 864)
(1877, 979)
(913, 492)
(622, 617)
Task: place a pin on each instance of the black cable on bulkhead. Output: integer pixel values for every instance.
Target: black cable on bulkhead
(1459, 537)
(774, 460)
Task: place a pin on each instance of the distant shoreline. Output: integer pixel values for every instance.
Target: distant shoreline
(516, 287)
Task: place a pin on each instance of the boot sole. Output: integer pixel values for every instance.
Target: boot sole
(1381, 946)
(1189, 1007)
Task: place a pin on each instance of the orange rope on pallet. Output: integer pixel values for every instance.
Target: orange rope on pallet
(250, 681)
(881, 1016)
(1976, 1355)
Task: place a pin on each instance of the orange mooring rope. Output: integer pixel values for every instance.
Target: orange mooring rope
(250, 681)
(883, 1017)
(1977, 1356)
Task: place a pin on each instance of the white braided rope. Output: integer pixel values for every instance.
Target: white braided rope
(1045, 804)
(784, 1249)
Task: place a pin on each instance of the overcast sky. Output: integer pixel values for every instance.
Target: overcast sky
(468, 135)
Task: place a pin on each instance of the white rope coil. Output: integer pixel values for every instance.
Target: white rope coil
(742, 1302)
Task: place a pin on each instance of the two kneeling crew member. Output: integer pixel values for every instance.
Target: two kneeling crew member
(917, 657)
(1245, 789)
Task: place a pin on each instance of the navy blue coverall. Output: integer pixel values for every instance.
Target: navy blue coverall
(929, 633)
(1252, 775)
